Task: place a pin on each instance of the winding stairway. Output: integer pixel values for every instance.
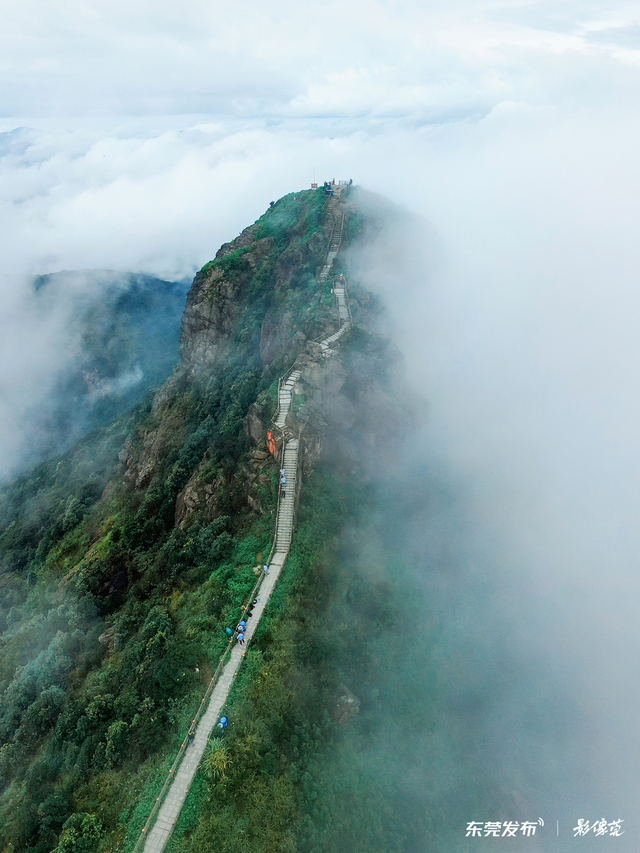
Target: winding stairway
(161, 823)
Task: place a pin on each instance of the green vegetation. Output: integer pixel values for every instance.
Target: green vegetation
(112, 618)
(279, 710)
(286, 212)
(229, 264)
(282, 283)
(299, 775)
(122, 563)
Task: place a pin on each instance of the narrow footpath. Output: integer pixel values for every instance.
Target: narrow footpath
(160, 826)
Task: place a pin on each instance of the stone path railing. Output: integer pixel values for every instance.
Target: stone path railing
(162, 821)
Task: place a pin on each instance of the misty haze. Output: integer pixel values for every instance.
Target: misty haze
(319, 458)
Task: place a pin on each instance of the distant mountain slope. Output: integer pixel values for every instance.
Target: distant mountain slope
(124, 336)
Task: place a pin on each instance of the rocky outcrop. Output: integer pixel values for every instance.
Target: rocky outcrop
(198, 498)
(255, 424)
(277, 336)
(341, 410)
(208, 320)
(164, 429)
(140, 464)
(344, 410)
(202, 495)
(259, 478)
(214, 302)
(107, 638)
(244, 239)
(346, 706)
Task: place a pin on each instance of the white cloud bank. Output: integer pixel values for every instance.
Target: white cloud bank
(284, 58)
(523, 334)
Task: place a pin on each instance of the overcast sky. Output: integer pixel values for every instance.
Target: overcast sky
(155, 126)
(140, 136)
(435, 61)
(157, 129)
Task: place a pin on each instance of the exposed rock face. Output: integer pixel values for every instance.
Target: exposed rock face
(346, 706)
(341, 410)
(107, 637)
(214, 302)
(324, 379)
(255, 423)
(167, 430)
(259, 474)
(208, 319)
(140, 466)
(215, 305)
(349, 415)
(199, 498)
(276, 336)
(244, 239)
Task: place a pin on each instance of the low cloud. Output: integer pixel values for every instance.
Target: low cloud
(517, 316)
(512, 130)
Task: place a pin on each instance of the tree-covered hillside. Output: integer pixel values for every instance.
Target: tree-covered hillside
(124, 561)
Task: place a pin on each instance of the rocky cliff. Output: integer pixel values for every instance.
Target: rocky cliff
(260, 305)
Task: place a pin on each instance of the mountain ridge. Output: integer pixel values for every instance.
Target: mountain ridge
(118, 581)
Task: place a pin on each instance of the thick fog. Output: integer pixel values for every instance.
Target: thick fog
(521, 518)
(139, 138)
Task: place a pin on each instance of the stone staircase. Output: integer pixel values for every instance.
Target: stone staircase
(336, 217)
(284, 522)
(162, 821)
(343, 308)
(169, 809)
(285, 395)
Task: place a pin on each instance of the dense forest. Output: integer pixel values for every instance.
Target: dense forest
(124, 560)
